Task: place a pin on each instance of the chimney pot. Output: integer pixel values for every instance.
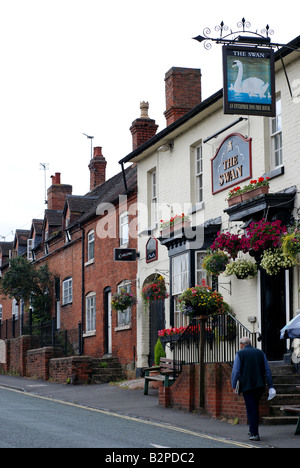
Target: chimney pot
(144, 128)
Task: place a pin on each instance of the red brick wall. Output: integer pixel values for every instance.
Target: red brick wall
(75, 369)
(37, 362)
(220, 400)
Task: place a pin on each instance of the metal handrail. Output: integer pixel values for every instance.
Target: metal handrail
(222, 336)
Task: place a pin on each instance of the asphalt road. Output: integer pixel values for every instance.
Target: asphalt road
(32, 421)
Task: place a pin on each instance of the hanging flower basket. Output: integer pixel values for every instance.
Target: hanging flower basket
(122, 300)
(291, 243)
(264, 235)
(253, 189)
(215, 262)
(155, 291)
(242, 269)
(274, 260)
(231, 243)
(201, 301)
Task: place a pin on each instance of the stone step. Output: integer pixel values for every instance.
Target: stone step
(279, 420)
(286, 399)
(286, 388)
(277, 411)
(106, 369)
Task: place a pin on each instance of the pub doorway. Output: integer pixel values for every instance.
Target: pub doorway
(275, 311)
(157, 322)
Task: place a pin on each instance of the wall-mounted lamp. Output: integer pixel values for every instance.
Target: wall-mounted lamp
(166, 147)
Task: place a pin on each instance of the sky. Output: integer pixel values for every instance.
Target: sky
(70, 67)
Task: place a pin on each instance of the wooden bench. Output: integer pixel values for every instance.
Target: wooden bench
(166, 374)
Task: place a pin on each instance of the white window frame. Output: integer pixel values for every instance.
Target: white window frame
(1, 313)
(180, 282)
(91, 245)
(124, 318)
(124, 229)
(67, 291)
(15, 309)
(30, 245)
(199, 173)
(200, 272)
(90, 312)
(276, 136)
(154, 199)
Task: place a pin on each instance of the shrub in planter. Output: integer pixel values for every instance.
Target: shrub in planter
(159, 352)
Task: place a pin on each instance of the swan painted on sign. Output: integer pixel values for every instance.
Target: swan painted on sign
(252, 86)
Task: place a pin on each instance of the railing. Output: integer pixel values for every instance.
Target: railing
(222, 337)
(68, 342)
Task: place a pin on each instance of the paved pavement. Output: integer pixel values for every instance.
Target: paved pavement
(128, 399)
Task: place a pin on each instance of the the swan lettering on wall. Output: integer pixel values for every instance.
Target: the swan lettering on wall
(248, 81)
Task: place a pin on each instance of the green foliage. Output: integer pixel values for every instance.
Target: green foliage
(159, 352)
(25, 282)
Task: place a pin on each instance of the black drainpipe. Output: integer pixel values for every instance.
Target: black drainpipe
(82, 287)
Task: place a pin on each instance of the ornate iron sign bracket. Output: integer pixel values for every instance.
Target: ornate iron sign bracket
(243, 36)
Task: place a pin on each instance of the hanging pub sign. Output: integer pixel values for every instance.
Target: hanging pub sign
(232, 163)
(151, 250)
(125, 255)
(249, 81)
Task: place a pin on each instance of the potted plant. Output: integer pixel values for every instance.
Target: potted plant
(273, 260)
(122, 300)
(175, 223)
(155, 291)
(201, 301)
(241, 268)
(215, 262)
(253, 189)
(231, 243)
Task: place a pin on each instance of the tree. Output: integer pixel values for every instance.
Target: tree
(25, 282)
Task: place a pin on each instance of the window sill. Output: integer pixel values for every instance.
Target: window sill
(123, 327)
(196, 207)
(278, 171)
(89, 334)
(89, 262)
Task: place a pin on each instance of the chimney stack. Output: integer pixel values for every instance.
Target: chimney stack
(57, 193)
(144, 128)
(183, 92)
(97, 168)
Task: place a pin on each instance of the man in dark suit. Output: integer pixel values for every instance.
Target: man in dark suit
(249, 374)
